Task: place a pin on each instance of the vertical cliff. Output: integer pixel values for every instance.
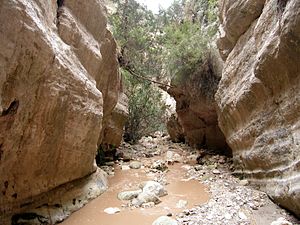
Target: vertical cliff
(258, 96)
(59, 90)
(196, 108)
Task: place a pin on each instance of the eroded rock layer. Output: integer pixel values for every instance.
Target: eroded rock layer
(258, 96)
(196, 109)
(59, 86)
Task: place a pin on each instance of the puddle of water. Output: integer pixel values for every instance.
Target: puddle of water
(178, 189)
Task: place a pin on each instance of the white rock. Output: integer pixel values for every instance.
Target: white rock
(112, 210)
(128, 195)
(227, 216)
(155, 188)
(244, 182)
(165, 220)
(242, 216)
(181, 204)
(125, 167)
(173, 157)
(281, 221)
(216, 171)
(148, 205)
(135, 165)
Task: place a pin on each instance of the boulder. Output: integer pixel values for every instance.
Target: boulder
(154, 188)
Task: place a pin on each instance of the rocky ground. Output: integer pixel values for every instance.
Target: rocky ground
(232, 200)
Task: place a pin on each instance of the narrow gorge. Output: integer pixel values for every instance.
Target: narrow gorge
(112, 113)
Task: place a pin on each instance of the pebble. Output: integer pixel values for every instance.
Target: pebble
(148, 205)
(281, 221)
(231, 201)
(135, 165)
(242, 216)
(227, 216)
(216, 171)
(165, 220)
(181, 204)
(244, 182)
(128, 195)
(125, 167)
(112, 210)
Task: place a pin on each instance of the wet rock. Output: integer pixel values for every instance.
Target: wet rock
(159, 165)
(281, 221)
(172, 157)
(135, 165)
(165, 220)
(128, 195)
(154, 188)
(145, 197)
(181, 204)
(148, 205)
(112, 210)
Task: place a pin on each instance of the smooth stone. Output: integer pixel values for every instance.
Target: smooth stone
(112, 210)
(244, 182)
(227, 216)
(242, 216)
(125, 167)
(135, 165)
(128, 195)
(181, 204)
(281, 221)
(216, 171)
(145, 197)
(155, 188)
(165, 220)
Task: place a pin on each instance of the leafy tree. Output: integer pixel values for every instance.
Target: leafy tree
(187, 45)
(135, 29)
(175, 44)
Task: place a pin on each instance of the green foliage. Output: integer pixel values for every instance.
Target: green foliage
(146, 109)
(135, 30)
(186, 42)
(173, 44)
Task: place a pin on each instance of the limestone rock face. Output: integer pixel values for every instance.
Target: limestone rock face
(59, 85)
(196, 109)
(174, 129)
(258, 96)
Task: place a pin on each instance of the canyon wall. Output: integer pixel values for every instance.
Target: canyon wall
(258, 96)
(60, 95)
(196, 120)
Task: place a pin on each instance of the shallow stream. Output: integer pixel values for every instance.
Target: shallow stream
(178, 187)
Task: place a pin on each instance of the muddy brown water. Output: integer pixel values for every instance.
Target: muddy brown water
(179, 188)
